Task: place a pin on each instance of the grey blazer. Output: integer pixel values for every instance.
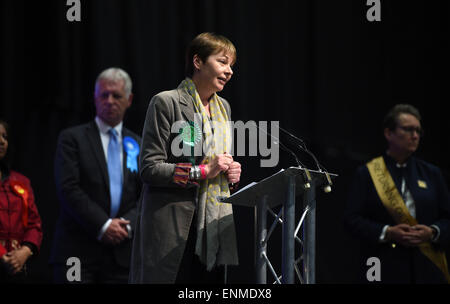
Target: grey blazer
(165, 209)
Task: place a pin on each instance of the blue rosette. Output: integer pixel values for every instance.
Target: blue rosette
(132, 148)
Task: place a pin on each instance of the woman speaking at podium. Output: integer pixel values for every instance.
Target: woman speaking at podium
(183, 233)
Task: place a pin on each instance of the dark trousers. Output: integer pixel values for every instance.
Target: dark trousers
(191, 270)
(105, 271)
(6, 277)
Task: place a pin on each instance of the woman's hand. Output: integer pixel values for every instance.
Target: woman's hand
(423, 234)
(17, 258)
(409, 236)
(220, 163)
(234, 172)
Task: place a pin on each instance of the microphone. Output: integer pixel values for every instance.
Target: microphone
(302, 146)
(306, 174)
(293, 136)
(283, 147)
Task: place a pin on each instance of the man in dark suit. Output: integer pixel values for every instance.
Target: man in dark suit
(98, 187)
(399, 208)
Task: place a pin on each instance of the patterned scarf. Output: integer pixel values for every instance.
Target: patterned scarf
(216, 237)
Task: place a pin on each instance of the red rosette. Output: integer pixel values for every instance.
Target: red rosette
(21, 191)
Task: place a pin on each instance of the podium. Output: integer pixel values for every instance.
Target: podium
(281, 189)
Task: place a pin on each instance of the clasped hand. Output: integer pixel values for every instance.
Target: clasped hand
(15, 259)
(116, 232)
(224, 163)
(409, 236)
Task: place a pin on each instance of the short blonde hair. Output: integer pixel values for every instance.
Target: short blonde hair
(204, 45)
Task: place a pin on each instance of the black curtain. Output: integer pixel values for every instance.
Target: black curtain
(318, 67)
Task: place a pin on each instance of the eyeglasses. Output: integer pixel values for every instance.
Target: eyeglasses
(411, 130)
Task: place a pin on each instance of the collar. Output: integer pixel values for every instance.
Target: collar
(393, 163)
(104, 127)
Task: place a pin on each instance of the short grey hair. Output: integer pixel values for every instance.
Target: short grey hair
(115, 74)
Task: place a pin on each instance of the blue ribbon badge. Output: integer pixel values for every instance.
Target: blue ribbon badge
(132, 149)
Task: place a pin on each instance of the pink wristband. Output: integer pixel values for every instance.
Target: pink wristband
(202, 171)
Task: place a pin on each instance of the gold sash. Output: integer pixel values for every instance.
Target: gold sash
(393, 201)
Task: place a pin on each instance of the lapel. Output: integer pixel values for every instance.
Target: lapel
(186, 104)
(411, 178)
(93, 135)
(187, 110)
(411, 182)
(125, 170)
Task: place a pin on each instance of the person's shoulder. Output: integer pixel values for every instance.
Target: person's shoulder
(366, 160)
(77, 129)
(166, 102)
(224, 101)
(426, 165)
(16, 176)
(362, 169)
(167, 95)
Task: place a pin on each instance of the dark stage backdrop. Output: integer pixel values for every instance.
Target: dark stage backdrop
(320, 68)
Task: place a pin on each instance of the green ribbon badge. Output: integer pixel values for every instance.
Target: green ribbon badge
(191, 134)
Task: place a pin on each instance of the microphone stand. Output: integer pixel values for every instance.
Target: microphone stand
(283, 147)
(303, 147)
